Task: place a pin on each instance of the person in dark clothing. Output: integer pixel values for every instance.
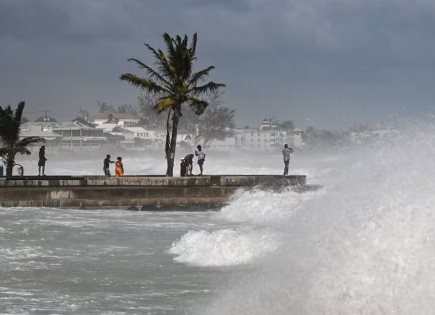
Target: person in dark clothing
(106, 165)
(201, 157)
(41, 162)
(189, 161)
(286, 156)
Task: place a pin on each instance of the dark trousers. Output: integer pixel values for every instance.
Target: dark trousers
(286, 163)
(106, 171)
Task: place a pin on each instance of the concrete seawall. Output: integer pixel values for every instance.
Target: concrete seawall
(135, 192)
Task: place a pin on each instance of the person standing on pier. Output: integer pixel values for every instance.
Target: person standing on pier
(119, 167)
(106, 165)
(201, 157)
(286, 155)
(41, 162)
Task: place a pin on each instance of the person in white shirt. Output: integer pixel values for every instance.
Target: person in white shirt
(201, 157)
(286, 155)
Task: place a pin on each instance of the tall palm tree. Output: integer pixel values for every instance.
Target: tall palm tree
(10, 141)
(175, 84)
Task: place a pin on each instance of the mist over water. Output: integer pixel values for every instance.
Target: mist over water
(363, 244)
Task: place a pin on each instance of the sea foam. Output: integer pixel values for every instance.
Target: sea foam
(225, 247)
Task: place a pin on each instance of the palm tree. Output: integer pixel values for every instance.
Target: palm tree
(175, 84)
(10, 141)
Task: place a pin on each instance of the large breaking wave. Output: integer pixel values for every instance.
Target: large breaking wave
(364, 244)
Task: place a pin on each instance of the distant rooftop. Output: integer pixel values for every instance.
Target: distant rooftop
(45, 118)
(102, 116)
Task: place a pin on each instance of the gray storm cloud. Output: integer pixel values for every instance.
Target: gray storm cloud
(326, 63)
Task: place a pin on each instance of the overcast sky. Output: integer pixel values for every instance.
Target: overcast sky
(327, 63)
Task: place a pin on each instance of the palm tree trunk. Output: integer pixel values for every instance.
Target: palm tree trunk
(168, 135)
(170, 155)
(9, 167)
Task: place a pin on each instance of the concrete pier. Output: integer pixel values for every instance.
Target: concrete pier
(135, 192)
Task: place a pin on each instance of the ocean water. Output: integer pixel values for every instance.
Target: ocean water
(363, 244)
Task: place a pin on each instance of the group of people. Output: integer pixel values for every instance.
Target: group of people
(186, 166)
(186, 162)
(119, 166)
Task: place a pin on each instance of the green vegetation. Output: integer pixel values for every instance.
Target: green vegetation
(10, 141)
(174, 84)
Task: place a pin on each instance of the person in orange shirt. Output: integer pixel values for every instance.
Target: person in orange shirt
(119, 167)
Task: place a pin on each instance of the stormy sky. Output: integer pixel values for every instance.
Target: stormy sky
(327, 63)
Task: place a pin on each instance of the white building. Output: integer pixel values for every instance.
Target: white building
(267, 137)
(77, 134)
(123, 120)
(148, 138)
(37, 129)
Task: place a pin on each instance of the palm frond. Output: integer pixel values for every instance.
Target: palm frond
(19, 111)
(209, 87)
(29, 141)
(166, 67)
(192, 48)
(164, 104)
(197, 105)
(150, 71)
(184, 42)
(10, 123)
(146, 84)
(169, 44)
(196, 77)
(22, 150)
(153, 51)
(6, 113)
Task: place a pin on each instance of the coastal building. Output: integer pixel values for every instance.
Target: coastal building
(126, 134)
(123, 120)
(46, 119)
(36, 129)
(75, 134)
(267, 137)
